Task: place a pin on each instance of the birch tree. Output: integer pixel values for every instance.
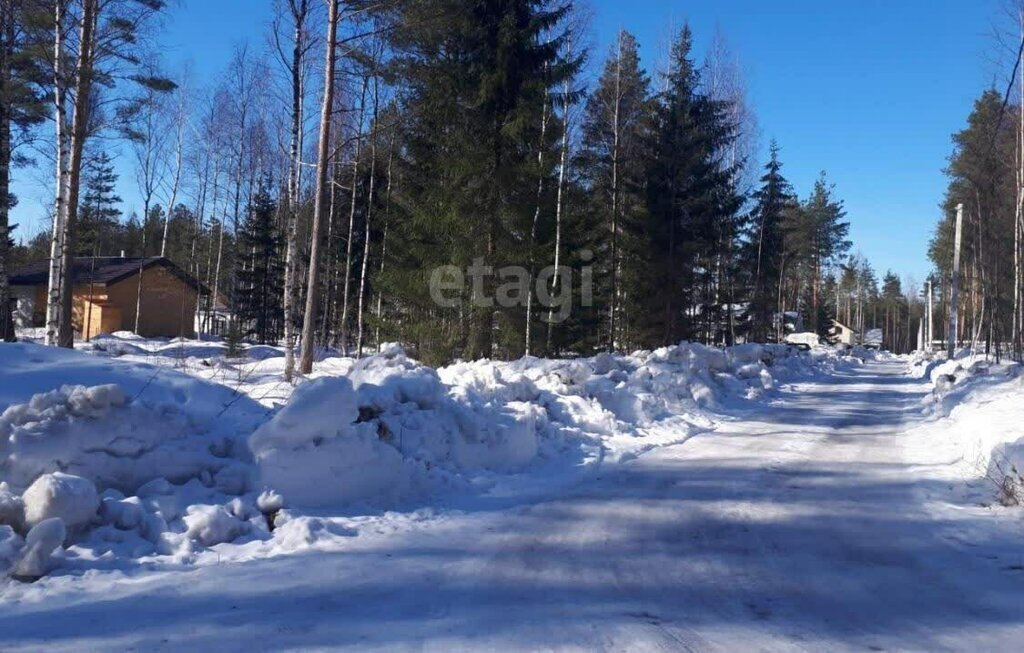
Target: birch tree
(294, 60)
(109, 36)
(319, 200)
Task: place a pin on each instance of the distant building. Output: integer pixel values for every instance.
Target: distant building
(106, 293)
(840, 334)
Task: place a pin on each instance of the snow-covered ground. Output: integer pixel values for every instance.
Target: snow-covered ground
(682, 499)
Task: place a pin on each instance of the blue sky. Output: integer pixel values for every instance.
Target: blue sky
(868, 90)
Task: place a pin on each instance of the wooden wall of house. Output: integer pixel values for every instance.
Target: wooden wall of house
(168, 304)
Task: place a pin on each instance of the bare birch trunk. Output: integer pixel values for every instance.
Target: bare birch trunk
(562, 163)
(79, 131)
(179, 152)
(291, 290)
(1018, 226)
(60, 196)
(323, 156)
(351, 221)
(384, 238)
(536, 218)
(209, 252)
(220, 252)
(613, 309)
(366, 237)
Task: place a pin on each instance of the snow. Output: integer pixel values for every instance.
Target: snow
(11, 546)
(37, 557)
(12, 508)
(161, 444)
(687, 497)
(314, 453)
(210, 525)
(72, 499)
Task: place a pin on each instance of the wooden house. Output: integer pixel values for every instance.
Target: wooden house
(107, 292)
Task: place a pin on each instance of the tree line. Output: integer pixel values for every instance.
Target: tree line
(986, 181)
(320, 183)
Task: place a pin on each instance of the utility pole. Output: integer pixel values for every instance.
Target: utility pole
(931, 324)
(954, 289)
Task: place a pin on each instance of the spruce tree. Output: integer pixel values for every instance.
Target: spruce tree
(763, 247)
(99, 217)
(612, 161)
(261, 272)
(691, 201)
(477, 78)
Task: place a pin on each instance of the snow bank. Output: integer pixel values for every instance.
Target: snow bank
(393, 428)
(98, 433)
(116, 452)
(977, 406)
(953, 380)
(138, 461)
(315, 453)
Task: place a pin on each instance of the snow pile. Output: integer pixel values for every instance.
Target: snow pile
(72, 499)
(42, 542)
(954, 380)
(12, 507)
(141, 462)
(316, 454)
(393, 428)
(977, 410)
(98, 433)
(210, 525)
(118, 457)
(984, 430)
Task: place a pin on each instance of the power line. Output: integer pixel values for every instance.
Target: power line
(1006, 96)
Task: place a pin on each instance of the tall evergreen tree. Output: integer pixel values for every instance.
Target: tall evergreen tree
(261, 271)
(824, 235)
(612, 161)
(691, 201)
(477, 79)
(22, 82)
(981, 175)
(764, 247)
(99, 217)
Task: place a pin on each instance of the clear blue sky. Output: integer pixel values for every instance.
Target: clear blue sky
(868, 90)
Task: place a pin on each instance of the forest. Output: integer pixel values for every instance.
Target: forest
(333, 168)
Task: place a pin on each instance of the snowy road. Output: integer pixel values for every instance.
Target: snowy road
(802, 526)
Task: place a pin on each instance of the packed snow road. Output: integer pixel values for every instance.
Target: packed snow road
(803, 525)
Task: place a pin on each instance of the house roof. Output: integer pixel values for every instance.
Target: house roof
(100, 270)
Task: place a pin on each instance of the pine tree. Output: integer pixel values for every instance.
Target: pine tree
(981, 175)
(22, 106)
(824, 236)
(892, 305)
